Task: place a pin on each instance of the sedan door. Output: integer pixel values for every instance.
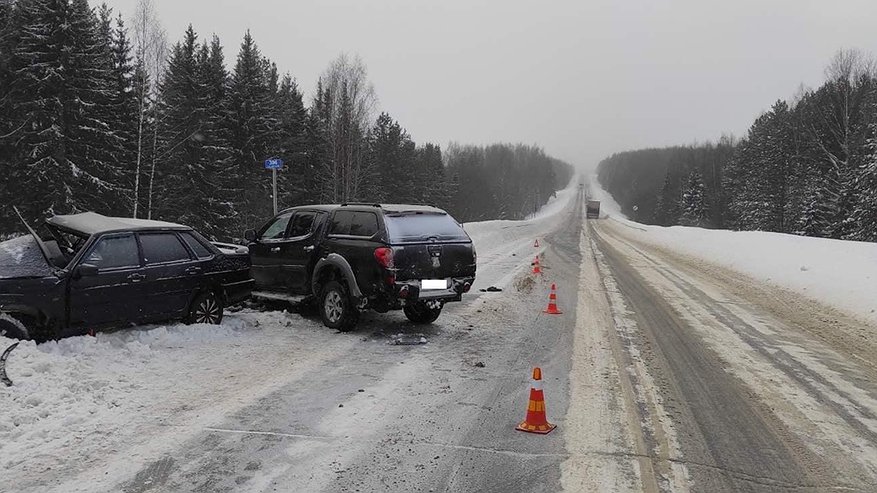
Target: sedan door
(172, 276)
(110, 297)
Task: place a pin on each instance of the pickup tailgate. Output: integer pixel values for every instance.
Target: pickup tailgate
(433, 260)
(429, 246)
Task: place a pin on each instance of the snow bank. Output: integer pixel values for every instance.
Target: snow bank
(840, 273)
(83, 385)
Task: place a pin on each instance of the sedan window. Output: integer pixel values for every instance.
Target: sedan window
(200, 250)
(162, 247)
(277, 229)
(115, 252)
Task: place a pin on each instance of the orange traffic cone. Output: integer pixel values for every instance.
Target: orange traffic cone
(536, 421)
(536, 243)
(552, 302)
(536, 268)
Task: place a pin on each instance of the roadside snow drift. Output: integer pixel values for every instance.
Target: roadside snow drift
(839, 273)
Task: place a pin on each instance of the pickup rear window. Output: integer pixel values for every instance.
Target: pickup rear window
(412, 227)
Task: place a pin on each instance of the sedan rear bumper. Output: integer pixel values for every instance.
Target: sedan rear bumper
(235, 292)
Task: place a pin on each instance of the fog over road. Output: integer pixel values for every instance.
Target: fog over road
(663, 374)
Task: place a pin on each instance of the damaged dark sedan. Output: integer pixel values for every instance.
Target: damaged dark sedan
(87, 272)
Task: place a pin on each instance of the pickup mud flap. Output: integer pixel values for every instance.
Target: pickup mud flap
(3, 377)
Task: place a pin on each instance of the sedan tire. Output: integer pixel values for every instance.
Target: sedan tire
(206, 309)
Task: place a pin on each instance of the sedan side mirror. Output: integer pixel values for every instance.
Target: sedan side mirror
(85, 270)
(250, 235)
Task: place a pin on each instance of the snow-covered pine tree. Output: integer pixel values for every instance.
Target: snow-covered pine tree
(125, 108)
(694, 201)
(668, 209)
(391, 159)
(318, 156)
(219, 215)
(297, 182)
(198, 182)
(252, 125)
(181, 126)
(865, 210)
(434, 187)
(63, 141)
(7, 149)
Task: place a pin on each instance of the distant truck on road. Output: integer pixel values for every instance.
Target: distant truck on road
(592, 209)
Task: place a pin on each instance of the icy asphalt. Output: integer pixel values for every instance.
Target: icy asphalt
(662, 374)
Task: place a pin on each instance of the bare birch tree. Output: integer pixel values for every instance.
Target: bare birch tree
(150, 48)
(351, 107)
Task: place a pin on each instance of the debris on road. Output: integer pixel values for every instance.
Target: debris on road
(3, 377)
(479, 365)
(407, 340)
(492, 289)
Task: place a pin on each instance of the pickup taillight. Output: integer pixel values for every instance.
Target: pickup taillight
(384, 256)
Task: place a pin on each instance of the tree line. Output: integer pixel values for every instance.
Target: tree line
(807, 166)
(97, 116)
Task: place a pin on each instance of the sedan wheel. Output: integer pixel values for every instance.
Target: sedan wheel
(206, 309)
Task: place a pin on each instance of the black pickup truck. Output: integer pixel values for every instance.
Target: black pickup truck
(87, 272)
(351, 257)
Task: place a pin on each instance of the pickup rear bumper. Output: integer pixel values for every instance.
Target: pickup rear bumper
(411, 291)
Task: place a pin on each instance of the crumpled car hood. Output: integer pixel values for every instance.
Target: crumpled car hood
(21, 257)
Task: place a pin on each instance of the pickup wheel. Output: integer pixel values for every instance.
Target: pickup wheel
(206, 309)
(423, 312)
(336, 307)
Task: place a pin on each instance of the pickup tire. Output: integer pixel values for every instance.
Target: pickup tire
(422, 313)
(336, 308)
(205, 309)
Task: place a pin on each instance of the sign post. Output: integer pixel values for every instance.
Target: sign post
(274, 164)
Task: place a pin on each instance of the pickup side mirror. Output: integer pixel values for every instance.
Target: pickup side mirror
(85, 270)
(250, 235)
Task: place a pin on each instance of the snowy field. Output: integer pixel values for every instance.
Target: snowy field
(839, 273)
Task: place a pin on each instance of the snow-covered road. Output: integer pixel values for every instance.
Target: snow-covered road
(664, 373)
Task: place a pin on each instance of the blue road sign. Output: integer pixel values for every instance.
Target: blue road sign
(275, 163)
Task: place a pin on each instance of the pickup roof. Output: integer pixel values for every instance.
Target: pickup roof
(351, 257)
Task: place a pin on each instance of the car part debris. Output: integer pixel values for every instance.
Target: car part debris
(3, 377)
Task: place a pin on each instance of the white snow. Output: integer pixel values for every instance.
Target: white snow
(842, 274)
(141, 388)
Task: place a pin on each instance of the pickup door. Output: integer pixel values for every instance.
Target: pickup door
(283, 255)
(429, 245)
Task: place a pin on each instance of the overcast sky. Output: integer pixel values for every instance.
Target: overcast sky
(582, 78)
